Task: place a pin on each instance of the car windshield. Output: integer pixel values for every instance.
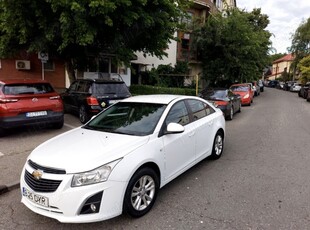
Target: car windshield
(239, 88)
(18, 89)
(110, 88)
(129, 118)
(215, 94)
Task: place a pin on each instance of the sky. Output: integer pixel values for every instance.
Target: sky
(285, 17)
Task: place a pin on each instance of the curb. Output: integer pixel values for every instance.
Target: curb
(8, 187)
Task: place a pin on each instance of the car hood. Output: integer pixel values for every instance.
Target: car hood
(81, 150)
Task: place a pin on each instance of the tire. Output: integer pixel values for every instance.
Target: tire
(218, 146)
(83, 116)
(141, 192)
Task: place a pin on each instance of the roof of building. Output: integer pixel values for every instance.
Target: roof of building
(286, 58)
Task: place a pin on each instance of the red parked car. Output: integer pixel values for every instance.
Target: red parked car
(245, 91)
(29, 102)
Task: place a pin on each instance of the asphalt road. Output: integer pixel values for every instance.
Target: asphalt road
(261, 182)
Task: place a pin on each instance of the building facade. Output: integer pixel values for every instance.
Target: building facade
(281, 66)
(198, 12)
(28, 65)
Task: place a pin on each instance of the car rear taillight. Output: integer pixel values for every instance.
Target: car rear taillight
(221, 102)
(5, 100)
(55, 98)
(92, 101)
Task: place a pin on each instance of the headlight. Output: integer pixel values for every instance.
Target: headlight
(246, 96)
(97, 175)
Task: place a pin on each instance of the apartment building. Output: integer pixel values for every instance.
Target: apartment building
(198, 12)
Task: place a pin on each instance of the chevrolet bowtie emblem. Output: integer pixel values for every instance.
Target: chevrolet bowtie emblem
(37, 174)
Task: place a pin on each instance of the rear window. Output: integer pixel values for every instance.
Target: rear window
(216, 94)
(110, 88)
(18, 89)
(239, 88)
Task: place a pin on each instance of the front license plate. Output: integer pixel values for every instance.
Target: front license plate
(35, 198)
(36, 114)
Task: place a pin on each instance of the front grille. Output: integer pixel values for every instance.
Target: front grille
(46, 169)
(42, 185)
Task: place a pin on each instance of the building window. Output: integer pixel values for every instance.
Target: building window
(49, 65)
(185, 44)
(188, 19)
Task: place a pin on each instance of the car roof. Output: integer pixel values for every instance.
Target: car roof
(240, 84)
(157, 98)
(99, 80)
(21, 81)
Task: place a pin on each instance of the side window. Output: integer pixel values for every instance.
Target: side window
(178, 114)
(73, 86)
(197, 108)
(88, 87)
(209, 109)
(81, 86)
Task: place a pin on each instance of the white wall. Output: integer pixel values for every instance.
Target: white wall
(152, 61)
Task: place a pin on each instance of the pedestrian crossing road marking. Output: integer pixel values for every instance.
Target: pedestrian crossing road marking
(1, 154)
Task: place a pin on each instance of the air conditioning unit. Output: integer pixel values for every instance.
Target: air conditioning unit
(22, 64)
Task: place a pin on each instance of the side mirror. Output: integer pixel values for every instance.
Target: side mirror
(174, 128)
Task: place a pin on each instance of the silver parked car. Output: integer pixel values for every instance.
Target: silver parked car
(295, 87)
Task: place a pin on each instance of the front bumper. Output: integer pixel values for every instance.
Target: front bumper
(245, 101)
(66, 203)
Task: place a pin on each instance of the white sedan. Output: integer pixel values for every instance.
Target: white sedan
(118, 161)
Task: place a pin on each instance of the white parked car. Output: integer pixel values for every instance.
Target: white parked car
(121, 158)
(295, 87)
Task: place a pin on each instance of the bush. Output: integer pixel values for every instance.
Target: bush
(148, 89)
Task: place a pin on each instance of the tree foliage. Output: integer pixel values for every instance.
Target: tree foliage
(304, 66)
(301, 42)
(75, 29)
(234, 47)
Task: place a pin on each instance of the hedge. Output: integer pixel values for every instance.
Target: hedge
(148, 89)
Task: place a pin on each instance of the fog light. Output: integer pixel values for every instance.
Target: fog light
(93, 207)
(92, 204)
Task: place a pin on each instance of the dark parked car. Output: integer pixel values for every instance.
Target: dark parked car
(224, 99)
(303, 92)
(29, 102)
(287, 85)
(273, 83)
(87, 97)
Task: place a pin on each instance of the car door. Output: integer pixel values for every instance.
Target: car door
(69, 96)
(204, 116)
(235, 99)
(179, 149)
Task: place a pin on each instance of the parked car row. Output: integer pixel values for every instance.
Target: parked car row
(230, 100)
(292, 86)
(27, 102)
(304, 91)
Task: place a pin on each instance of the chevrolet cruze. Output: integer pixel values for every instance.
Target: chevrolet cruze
(118, 161)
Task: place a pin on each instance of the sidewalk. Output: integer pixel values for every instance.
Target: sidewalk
(10, 169)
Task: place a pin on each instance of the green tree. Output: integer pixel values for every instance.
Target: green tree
(234, 47)
(304, 66)
(300, 43)
(75, 29)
